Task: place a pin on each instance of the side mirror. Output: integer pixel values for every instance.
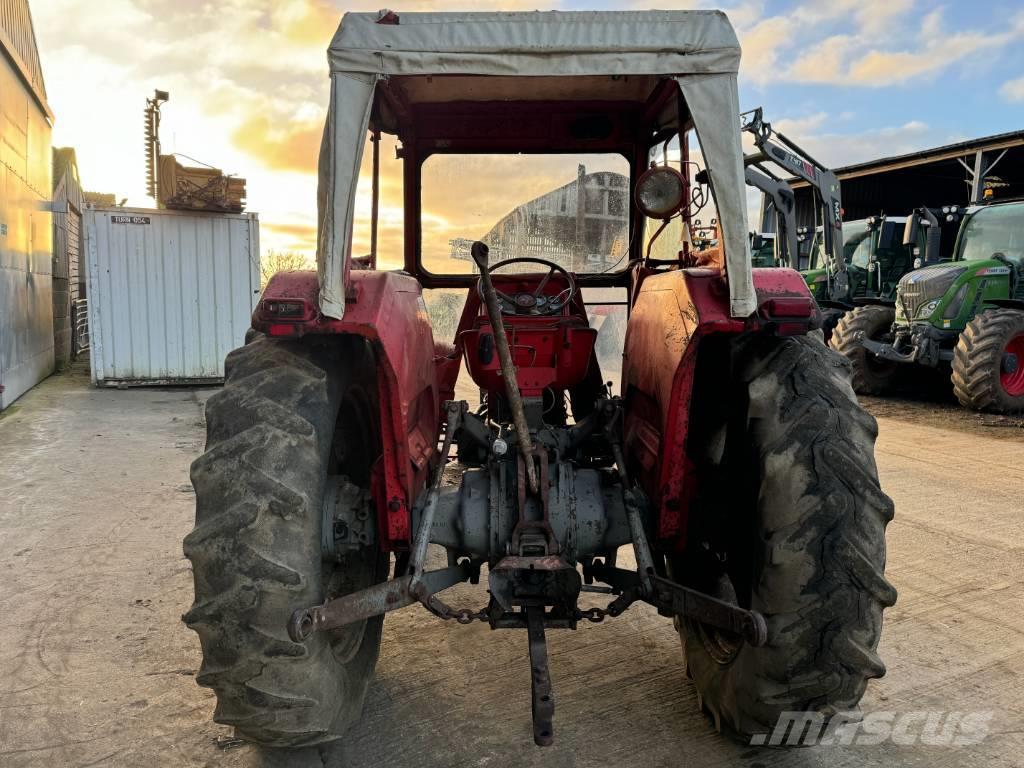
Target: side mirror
(911, 228)
(756, 243)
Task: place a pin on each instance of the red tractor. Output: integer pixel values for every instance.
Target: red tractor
(733, 461)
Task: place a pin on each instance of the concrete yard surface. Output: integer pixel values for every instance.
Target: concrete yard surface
(96, 668)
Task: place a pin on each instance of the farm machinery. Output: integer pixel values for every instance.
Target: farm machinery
(780, 247)
(827, 275)
(730, 482)
(966, 313)
(851, 267)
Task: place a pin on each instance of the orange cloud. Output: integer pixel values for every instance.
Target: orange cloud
(293, 147)
(305, 232)
(313, 21)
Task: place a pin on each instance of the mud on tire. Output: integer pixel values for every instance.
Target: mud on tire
(869, 375)
(272, 438)
(979, 379)
(795, 529)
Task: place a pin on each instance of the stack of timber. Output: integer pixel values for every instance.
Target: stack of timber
(100, 198)
(198, 189)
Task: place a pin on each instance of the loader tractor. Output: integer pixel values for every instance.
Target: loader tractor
(966, 314)
(887, 248)
(729, 480)
(877, 252)
(875, 258)
(763, 249)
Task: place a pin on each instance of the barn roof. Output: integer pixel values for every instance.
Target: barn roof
(18, 40)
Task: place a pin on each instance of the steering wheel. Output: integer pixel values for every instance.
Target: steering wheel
(535, 303)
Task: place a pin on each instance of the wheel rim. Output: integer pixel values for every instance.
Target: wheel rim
(721, 645)
(359, 570)
(1011, 370)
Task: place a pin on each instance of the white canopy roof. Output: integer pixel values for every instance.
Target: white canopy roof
(538, 43)
(698, 48)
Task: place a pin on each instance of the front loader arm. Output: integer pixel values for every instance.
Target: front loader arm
(785, 211)
(775, 147)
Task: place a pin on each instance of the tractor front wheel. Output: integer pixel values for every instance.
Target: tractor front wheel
(870, 375)
(988, 363)
(790, 523)
(290, 415)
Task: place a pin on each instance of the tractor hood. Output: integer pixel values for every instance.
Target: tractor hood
(923, 285)
(697, 48)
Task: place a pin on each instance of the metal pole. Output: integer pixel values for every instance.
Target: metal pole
(479, 252)
(374, 197)
(581, 215)
(641, 549)
(419, 552)
(978, 177)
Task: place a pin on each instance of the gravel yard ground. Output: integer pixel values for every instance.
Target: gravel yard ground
(96, 667)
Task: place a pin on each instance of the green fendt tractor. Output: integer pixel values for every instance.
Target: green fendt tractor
(967, 313)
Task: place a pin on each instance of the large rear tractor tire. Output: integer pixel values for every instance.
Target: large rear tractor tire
(988, 363)
(290, 415)
(869, 374)
(790, 523)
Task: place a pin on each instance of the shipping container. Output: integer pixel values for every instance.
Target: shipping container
(170, 293)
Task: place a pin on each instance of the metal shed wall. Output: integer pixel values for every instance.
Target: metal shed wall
(170, 293)
(26, 300)
(68, 203)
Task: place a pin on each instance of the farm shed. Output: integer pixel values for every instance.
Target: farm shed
(26, 283)
(955, 174)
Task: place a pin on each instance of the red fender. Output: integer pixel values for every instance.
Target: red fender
(672, 312)
(387, 309)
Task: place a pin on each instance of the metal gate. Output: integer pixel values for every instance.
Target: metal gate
(76, 284)
(67, 280)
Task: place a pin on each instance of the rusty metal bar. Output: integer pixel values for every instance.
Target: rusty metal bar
(479, 251)
(373, 601)
(683, 601)
(641, 549)
(543, 699)
(374, 197)
(419, 552)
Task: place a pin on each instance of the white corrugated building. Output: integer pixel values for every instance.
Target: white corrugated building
(26, 279)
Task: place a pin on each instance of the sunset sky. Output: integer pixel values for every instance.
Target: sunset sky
(850, 79)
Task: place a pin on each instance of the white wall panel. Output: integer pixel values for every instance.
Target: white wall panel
(26, 286)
